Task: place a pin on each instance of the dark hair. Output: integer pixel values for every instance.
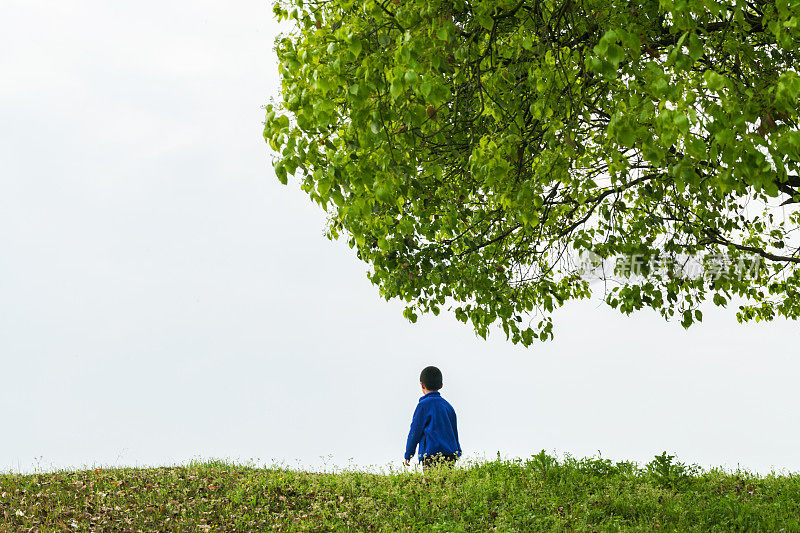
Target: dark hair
(431, 377)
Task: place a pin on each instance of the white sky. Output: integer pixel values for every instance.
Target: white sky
(164, 298)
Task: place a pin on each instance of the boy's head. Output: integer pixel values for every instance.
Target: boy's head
(431, 378)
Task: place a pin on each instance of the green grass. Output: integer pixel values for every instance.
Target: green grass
(538, 494)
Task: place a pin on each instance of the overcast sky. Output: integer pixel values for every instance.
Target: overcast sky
(163, 298)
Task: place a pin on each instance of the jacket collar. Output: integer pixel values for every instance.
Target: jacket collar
(430, 395)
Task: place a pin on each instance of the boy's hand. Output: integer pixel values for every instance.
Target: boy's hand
(405, 462)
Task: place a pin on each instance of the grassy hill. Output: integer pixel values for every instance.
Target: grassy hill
(538, 494)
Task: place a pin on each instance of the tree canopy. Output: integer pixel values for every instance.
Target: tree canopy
(475, 153)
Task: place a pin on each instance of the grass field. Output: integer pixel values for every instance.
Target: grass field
(537, 494)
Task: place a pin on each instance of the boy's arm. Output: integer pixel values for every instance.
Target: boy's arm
(415, 433)
(455, 430)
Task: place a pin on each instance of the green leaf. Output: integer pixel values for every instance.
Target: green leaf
(282, 123)
(426, 88)
(626, 136)
(383, 194)
(396, 89)
(714, 81)
(695, 147)
(485, 20)
(527, 42)
(681, 122)
(615, 54)
(687, 319)
(355, 46)
(695, 47)
(337, 197)
(280, 172)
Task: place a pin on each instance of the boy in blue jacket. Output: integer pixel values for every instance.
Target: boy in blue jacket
(433, 426)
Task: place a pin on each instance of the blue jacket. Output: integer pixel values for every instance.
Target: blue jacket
(433, 427)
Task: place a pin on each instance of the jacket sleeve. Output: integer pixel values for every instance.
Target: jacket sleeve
(415, 433)
(455, 431)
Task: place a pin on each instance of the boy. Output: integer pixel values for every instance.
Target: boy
(433, 426)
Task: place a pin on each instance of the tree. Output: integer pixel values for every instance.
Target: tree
(475, 153)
